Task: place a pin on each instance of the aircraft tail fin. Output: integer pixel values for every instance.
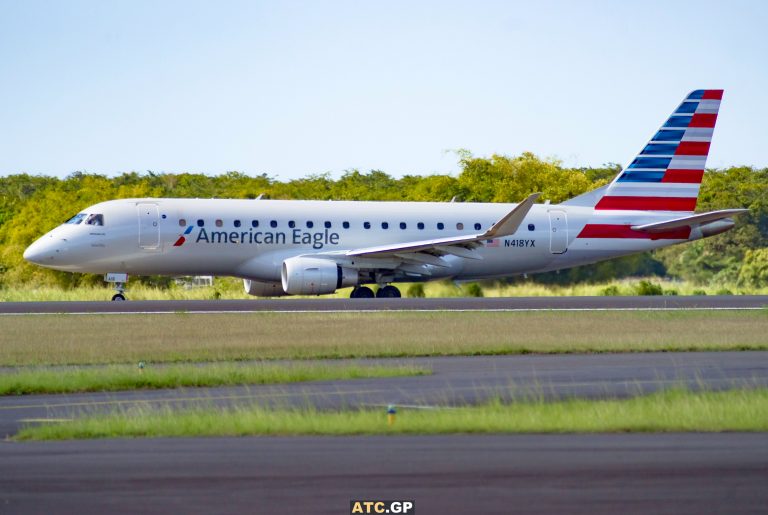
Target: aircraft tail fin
(666, 174)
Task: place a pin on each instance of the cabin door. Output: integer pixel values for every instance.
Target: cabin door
(149, 226)
(558, 232)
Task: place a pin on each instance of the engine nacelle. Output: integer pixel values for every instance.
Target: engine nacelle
(315, 276)
(260, 289)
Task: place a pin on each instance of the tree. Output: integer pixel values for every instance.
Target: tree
(754, 270)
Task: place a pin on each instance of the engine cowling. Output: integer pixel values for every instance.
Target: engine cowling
(315, 276)
(260, 289)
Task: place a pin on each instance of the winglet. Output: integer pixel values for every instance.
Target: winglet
(512, 220)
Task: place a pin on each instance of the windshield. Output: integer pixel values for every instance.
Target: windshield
(76, 219)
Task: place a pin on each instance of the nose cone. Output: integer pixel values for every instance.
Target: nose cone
(41, 252)
(34, 253)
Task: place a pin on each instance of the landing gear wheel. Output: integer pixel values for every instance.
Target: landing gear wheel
(362, 292)
(119, 280)
(388, 292)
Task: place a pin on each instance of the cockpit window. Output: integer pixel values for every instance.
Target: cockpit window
(76, 219)
(95, 219)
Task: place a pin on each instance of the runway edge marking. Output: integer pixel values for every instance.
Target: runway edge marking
(463, 310)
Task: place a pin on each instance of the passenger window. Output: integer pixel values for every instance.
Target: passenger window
(367, 225)
(291, 224)
(200, 223)
(219, 223)
(182, 222)
(254, 223)
(345, 225)
(385, 225)
(440, 226)
(420, 225)
(327, 225)
(76, 219)
(95, 220)
(237, 223)
(460, 226)
(402, 225)
(478, 227)
(273, 223)
(531, 227)
(310, 224)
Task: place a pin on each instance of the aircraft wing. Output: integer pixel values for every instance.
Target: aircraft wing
(688, 221)
(457, 245)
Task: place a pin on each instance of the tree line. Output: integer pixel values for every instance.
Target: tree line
(30, 205)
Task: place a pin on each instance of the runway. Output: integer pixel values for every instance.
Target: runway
(594, 474)
(590, 474)
(454, 381)
(404, 304)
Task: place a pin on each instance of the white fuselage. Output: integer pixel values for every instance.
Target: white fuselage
(251, 238)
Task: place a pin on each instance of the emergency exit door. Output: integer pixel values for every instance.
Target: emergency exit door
(558, 232)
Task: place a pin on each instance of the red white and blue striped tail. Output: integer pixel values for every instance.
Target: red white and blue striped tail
(667, 173)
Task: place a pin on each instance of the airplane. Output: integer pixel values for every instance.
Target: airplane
(299, 247)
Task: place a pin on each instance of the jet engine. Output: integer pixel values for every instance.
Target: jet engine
(315, 276)
(260, 289)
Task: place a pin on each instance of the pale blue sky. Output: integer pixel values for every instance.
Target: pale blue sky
(293, 88)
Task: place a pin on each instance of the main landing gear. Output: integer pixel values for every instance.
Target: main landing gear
(361, 292)
(386, 292)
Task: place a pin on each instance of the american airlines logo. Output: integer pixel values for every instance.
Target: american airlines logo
(317, 240)
(182, 239)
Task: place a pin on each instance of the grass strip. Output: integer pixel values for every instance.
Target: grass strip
(232, 288)
(124, 377)
(671, 410)
(102, 339)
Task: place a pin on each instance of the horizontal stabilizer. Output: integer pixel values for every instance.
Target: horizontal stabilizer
(688, 221)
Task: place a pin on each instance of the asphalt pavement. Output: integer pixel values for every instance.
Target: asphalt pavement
(488, 474)
(455, 381)
(590, 474)
(403, 304)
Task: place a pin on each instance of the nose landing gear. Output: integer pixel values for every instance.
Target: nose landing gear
(119, 281)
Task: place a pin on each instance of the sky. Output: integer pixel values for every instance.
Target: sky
(289, 88)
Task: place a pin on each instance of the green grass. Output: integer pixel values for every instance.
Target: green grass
(672, 410)
(113, 339)
(231, 288)
(114, 378)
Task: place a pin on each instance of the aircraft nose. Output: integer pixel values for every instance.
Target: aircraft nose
(41, 252)
(34, 253)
